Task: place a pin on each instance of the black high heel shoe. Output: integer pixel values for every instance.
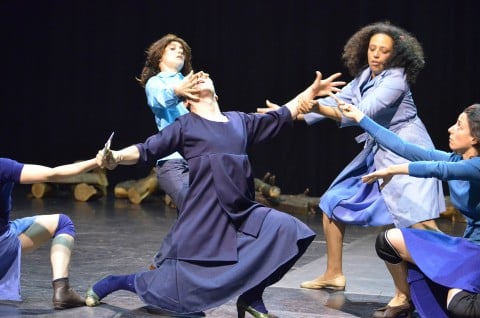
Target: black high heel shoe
(242, 308)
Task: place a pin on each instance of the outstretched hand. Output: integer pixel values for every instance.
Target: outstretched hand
(383, 174)
(270, 107)
(322, 87)
(319, 87)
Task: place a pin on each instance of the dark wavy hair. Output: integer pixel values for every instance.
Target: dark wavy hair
(473, 118)
(155, 52)
(407, 51)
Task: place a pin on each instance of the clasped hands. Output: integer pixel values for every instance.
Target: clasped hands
(107, 158)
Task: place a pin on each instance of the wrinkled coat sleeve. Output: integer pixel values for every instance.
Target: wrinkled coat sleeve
(263, 127)
(161, 144)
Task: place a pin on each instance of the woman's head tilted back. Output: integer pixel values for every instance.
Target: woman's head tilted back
(407, 51)
(155, 52)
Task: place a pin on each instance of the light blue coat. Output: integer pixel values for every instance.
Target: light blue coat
(407, 200)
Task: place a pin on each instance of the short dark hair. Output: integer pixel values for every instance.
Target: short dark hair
(473, 118)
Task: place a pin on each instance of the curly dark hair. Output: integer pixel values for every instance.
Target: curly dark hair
(407, 51)
(155, 52)
(473, 118)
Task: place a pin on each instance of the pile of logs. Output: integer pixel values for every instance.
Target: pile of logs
(269, 194)
(137, 190)
(86, 186)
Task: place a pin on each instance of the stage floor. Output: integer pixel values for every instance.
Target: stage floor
(117, 237)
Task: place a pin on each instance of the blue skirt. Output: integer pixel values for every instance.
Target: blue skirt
(186, 286)
(442, 262)
(350, 201)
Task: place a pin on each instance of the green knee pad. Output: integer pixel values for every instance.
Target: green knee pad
(63, 240)
(37, 232)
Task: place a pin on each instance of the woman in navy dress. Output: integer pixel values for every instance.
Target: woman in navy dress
(224, 244)
(443, 271)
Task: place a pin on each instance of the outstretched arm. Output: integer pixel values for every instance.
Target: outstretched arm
(307, 102)
(386, 174)
(321, 87)
(37, 173)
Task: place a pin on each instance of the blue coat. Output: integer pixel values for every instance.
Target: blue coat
(386, 99)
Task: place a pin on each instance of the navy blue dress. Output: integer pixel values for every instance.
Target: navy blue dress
(223, 243)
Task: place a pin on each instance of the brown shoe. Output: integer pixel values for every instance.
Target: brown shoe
(64, 297)
(393, 311)
(337, 283)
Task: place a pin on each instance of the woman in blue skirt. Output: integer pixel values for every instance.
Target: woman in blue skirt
(443, 272)
(224, 244)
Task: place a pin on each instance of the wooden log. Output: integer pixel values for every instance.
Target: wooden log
(121, 188)
(291, 203)
(40, 190)
(96, 177)
(142, 188)
(268, 190)
(452, 213)
(84, 191)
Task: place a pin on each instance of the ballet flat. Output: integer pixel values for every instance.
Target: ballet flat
(92, 299)
(337, 283)
(394, 311)
(242, 308)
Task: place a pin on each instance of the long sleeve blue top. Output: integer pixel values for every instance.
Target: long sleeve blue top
(462, 176)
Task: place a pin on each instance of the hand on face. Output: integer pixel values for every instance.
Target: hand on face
(187, 88)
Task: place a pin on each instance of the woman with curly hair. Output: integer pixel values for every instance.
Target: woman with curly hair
(385, 60)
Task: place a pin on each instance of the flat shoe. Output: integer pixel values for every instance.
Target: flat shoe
(337, 283)
(393, 311)
(92, 300)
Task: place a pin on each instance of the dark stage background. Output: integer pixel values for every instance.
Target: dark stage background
(69, 71)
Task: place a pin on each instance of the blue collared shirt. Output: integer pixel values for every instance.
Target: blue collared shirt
(163, 102)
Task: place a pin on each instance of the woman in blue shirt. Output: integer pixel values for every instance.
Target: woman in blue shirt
(29, 233)
(168, 80)
(443, 271)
